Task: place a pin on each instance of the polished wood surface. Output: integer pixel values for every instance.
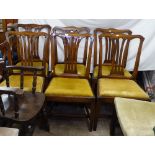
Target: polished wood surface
(68, 30)
(108, 52)
(28, 44)
(120, 48)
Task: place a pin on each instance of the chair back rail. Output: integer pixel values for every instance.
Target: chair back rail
(35, 28)
(69, 30)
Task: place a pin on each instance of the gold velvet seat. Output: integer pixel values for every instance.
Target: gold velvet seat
(136, 118)
(15, 82)
(106, 69)
(59, 69)
(121, 88)
(69, 87)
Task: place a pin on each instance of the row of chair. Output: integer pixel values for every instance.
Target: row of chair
(68, 80)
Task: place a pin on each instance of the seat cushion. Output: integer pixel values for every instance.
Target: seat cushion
(59, 69)
(15, 82)
(69, 87)
(4, 131)
(136, 118)
(106, 71)
(35, 64)
(120, 88)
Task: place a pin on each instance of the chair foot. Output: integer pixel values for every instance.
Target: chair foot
(113, 123)
(97, 111)
(44, 124)
(92, 114)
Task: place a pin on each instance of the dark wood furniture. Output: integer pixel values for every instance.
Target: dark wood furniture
(28, 46)
(36, 28)
(119, 85)
(23, 109)
(103, 52)
(109, 45)
(70, 87)
(59, 67)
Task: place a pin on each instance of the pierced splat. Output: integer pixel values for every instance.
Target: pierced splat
(119, 44)
(71, 30)
(109, 49)
(28, 45)
(71, 44)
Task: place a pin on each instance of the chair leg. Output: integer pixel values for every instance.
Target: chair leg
(92, 114)
(97, 111)
(113, 123)
(23, 130)
(44, 125)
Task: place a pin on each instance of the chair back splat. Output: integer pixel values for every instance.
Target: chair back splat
(71, 44)
(70, 30)
(29, 49)
(119, 45)
(108, 52)
(35, 28)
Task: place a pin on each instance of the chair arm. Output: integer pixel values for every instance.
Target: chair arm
(25, 68)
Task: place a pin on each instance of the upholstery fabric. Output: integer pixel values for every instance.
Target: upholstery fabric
(15, 82)
(35, 64)
(136, 117)
(4, 131)
(106, 71)
(120, 88)
(69, 87)
(59, 69)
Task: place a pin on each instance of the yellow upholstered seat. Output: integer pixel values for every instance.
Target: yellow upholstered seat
(106, 69)
(121, 88)
(69, 87)
(136, 117)
(15, 82)
(59, 69)
(35, 64)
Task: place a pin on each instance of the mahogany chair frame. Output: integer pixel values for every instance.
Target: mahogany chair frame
(28, 46)
(35, 28)
(69, 30)
(117, 69)
(108, 52)
(99, 31)
(70, 62)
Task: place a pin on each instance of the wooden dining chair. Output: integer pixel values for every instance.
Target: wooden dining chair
(135, 117)
(70, 87)
(107, 52)
(59, 66)
(117, 85)
(21, 108)
(27, 43)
